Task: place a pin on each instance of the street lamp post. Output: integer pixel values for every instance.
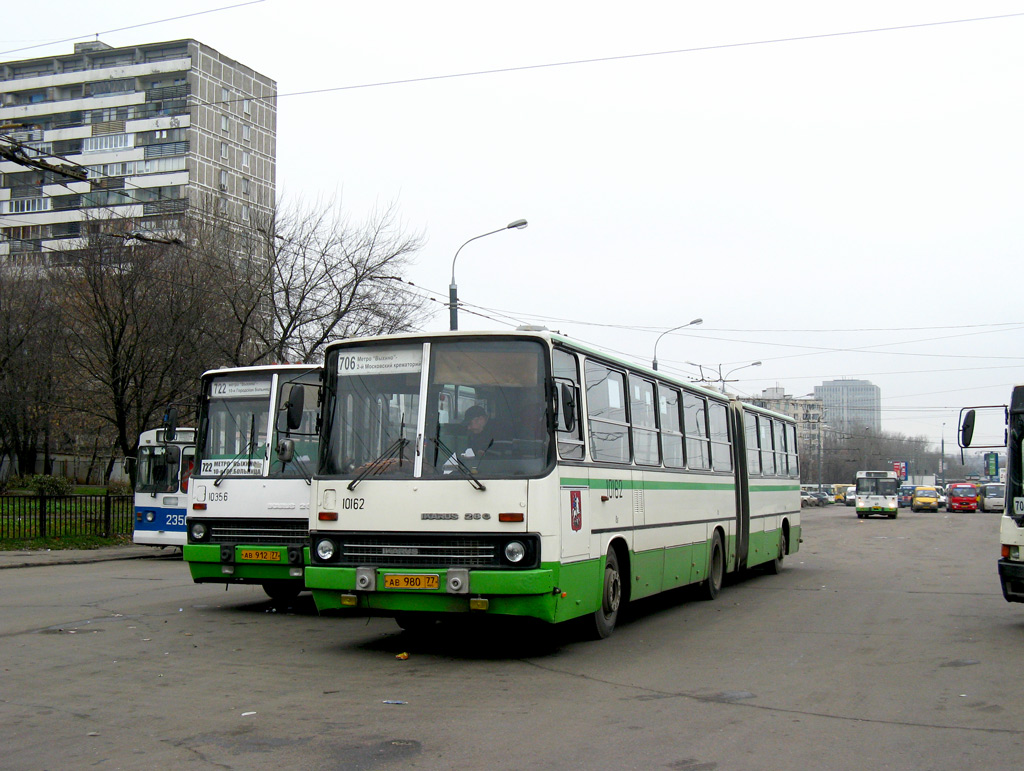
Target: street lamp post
(942, 458)
(694, 323)
(453, 290)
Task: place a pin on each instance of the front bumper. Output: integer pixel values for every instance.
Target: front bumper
(245, 564)
(1011, 576)
(550, 592)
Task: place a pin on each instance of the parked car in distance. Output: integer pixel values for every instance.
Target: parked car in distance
(851, 496)
(992, 496)
(806, 499)
(823, 498)
(925, 499)
(904, 496)
(942, 500)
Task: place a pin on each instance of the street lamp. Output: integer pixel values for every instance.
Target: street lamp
(722, 379)
(453, 291)
(942, 457)
(694, 323)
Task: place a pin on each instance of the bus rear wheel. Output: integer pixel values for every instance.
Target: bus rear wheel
(604, 618)
(710, 588)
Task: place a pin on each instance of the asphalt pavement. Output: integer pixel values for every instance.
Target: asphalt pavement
(28, 558)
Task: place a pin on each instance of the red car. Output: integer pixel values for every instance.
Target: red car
(962, 497)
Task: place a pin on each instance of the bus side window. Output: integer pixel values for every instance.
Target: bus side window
(794, 458)
(698, 454)
(606, 413)
(753, 451)
(671, 426)
(188, 462)
(721, 452)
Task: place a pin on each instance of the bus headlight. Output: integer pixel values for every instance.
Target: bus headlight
(150, 516)
(514, 552)
(325, 550)
(198, 531)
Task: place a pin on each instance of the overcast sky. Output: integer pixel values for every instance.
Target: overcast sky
(839, 206)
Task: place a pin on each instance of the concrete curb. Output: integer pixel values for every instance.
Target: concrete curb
(9, 561)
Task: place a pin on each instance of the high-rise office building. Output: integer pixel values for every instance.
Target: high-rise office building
(851, 405)
(155, 129)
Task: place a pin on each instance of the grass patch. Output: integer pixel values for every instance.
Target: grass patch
(64, 542)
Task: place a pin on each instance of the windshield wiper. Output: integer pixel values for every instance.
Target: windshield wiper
(245, 450)
(457, 463)
(380, 464)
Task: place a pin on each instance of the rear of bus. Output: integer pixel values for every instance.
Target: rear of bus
(962, 496)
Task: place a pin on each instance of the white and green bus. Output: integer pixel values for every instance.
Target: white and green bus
(595, 482)
(1010, 418)
(248, 519)
(877, 493)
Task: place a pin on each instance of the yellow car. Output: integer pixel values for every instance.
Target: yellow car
(925, 499)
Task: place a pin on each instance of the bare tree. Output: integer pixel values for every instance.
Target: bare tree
(128, 310)
(282, 287)
(28, 367)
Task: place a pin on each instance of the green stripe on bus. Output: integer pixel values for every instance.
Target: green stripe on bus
(630, 484)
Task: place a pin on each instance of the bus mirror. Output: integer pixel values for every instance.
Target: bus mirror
(170, 424)
(967, 428)
(296, 401)
(285, 450)
(567, 398)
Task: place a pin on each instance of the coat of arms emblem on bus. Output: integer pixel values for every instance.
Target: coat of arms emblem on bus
(576, 509)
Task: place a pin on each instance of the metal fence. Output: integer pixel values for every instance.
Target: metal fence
(23, 517)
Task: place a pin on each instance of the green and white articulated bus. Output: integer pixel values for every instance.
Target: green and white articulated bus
(257, 447)
(595, 481)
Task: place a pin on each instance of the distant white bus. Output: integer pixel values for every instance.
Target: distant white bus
(993, 497)
(161, 486)
(877, 493)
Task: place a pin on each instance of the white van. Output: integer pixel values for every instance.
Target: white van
(991, 496)
(851, 496)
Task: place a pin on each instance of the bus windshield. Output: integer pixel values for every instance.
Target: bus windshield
(480, 410)
(963, 491)
(875, 486)
(235, 439)
(158, 469)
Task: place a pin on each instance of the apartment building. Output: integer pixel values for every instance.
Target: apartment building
(155, 129)
(807, 411)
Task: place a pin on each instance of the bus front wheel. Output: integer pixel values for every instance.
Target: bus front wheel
(604, 618)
